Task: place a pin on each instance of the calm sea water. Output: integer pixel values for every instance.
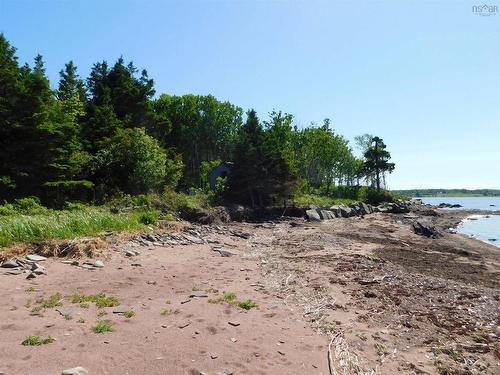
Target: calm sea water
(483, 227)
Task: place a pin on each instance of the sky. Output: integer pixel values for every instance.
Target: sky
(422, 75)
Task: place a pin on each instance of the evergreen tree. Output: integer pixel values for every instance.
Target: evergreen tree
(377, 160)
(10, 96)
(247, 179)
(70, 85)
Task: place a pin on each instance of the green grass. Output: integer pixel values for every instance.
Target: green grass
(50, 302)
(230, 298)
(37, 340)
(51, 224)
(81, 320)
(247, 305)
(102, 327)
(129, 314)
(166, 312)
(68, 317)
(100, 300)
(380, 349)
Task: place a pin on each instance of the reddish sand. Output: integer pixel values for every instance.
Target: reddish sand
(397, 303)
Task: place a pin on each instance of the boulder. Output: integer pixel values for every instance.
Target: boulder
(426, 229)
(336, 211)
(366, 208)
(327, 214)
(313, 215)
(346, 211)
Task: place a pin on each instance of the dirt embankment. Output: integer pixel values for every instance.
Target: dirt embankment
(367, 291)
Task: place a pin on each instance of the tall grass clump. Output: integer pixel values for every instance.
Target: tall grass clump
(46, 224)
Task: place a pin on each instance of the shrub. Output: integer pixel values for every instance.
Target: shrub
(29, 205)
(149, 217)
(374, 197)
(7, 210)
(133, 162)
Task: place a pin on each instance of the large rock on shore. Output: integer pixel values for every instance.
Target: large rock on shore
(346, 211)
(398, 207)
(425, 228)
(313, 215)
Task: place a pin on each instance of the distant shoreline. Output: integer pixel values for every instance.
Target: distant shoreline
(449, 193)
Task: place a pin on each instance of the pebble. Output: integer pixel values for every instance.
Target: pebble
(234, 323)
(214, 356)
(130, 253)
(75, 371)
(198, 294)
(280, 352)
(184, 325)
(98, 264)
(233, 339)
(122, 309)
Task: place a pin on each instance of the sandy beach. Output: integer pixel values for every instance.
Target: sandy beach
(362, 295)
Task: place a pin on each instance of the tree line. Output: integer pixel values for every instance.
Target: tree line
(108, 134)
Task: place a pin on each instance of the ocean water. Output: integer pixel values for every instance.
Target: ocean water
(483, 227)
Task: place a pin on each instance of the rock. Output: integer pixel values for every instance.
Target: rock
(346, 211)
(64, 311)
(75, 371)
(130, 253)
(370, 294)
(224, 253)
(366, 208)
(234, 323)
(122, 309)
(313, 215)
(184, 325)
(35, 258)
(31, 276)
(13, 272)
(214, 356)
(98, 264)
(9, 264)
(194, 239)
(198, 294)
(327, 214)
(37, 269)
(426, 229)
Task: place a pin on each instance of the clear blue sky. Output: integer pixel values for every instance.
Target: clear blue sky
(424, 76)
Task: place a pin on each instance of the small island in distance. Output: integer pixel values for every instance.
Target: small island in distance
(449, 192)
